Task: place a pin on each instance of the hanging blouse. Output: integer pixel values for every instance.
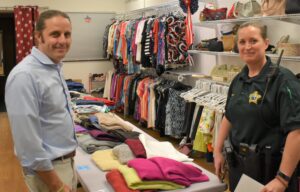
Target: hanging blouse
(138, 39)
(177, 49)
(161, 42)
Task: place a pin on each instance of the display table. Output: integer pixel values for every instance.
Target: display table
(93, 179)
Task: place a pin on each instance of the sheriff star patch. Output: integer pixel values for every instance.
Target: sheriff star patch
(254, 97)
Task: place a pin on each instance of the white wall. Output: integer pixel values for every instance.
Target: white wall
(71, 5)
(139, 4)
(77, 70)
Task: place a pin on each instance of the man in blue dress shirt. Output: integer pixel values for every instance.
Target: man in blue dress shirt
(39, 110)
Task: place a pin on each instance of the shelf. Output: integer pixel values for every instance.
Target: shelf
(197, 75)
(293, 18)
(232, 54)
(187, 73)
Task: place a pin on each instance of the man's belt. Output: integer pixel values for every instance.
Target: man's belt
(67, 156)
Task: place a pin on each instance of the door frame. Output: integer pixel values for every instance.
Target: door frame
(7, 26)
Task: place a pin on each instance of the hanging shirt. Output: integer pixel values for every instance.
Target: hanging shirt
(161, 42)
(138, 39)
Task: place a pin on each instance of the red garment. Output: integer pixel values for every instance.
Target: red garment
(124, 42)
(136, 147)
(155, 35)
(189, 25)
(25, 19)
(105, 101)
(142, 92)
(119, 86)
(117, 181)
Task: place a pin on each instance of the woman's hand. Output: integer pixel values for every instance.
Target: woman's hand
(219, 164)
(274, 186)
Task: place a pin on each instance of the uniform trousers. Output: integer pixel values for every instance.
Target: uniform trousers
(260, 167)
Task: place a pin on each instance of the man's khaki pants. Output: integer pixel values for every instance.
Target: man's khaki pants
(64, 169)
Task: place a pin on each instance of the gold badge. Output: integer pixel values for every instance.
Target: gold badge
(254, 97)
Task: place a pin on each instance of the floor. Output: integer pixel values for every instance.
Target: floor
(11, 179)
(11, 175)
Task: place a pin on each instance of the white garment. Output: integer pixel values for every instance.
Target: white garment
(110, 45)
(217, 125)
(194, 119)
(151, 108)
(107, 86)
(138, 39)
(162, 149)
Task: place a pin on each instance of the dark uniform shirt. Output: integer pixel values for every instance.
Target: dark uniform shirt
(263, 121)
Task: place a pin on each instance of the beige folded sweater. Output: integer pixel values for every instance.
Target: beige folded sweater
(112, 121)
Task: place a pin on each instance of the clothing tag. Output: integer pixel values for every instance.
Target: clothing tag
(83, 167)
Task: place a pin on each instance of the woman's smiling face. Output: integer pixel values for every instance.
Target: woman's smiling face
(251, 45)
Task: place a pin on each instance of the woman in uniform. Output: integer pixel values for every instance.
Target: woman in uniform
(262, 118)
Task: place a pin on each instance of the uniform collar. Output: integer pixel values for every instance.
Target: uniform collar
(43, 58)
(261, 76)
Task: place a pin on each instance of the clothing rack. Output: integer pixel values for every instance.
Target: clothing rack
(149, 71)
(153, 10)
(162, 8)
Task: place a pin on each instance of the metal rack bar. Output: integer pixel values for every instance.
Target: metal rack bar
(151, 8)
(231, 54)
(162, 6)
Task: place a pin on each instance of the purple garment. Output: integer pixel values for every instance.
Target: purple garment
(113, 87)
(103, 136)
(161, 43)
(167, 169)
(133, 45)
(80, 129)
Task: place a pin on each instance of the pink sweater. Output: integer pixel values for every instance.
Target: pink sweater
(160, 168)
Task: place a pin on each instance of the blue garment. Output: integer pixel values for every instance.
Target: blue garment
(94, 120)
(88, 102)
(75, 86)
(39, 111)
